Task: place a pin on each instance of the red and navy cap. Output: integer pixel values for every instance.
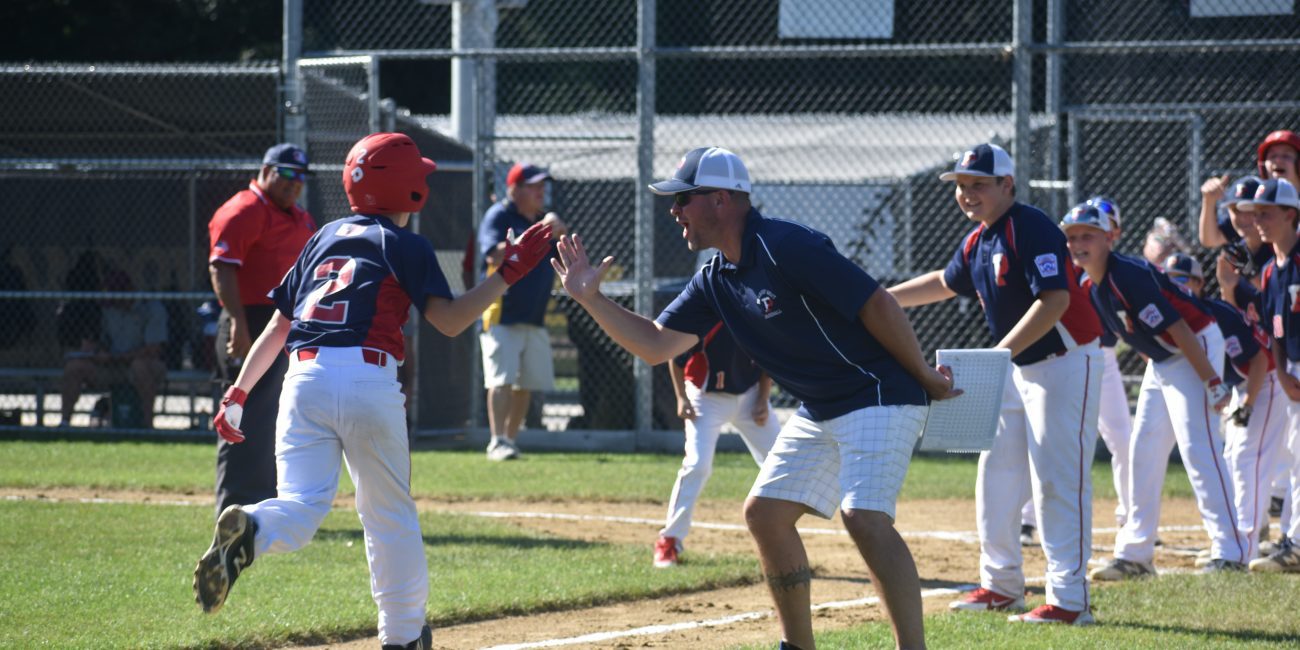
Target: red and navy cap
(985, 160)
(1085, 214)
(1242, 190)
(1180, 265)
(285, 154)
(712, 167)
(525, 173)
(1274, 191)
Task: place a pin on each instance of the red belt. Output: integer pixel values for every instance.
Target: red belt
(372, 357)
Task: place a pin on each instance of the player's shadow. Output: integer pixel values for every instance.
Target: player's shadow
(1209, 635)
(509, 541)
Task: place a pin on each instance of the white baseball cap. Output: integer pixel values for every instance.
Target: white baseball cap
(985, 160)
(1274, 191)
(706, 167)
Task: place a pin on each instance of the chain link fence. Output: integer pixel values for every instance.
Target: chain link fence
(845, 113)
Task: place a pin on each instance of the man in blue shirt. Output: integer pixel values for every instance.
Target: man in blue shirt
(825, 331)
(516, 348)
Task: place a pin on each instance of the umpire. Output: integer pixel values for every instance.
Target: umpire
(255, 237)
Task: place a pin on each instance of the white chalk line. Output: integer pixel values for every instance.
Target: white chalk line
(650, 630)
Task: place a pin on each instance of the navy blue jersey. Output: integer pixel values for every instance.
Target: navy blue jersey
(1248, 297)
(1260, 255)
(525, 301)
(1139, 303)
(354, 284)
(717, 365)
(792, 304)
(1241, 341)
(1007, 265)
(1279, 307)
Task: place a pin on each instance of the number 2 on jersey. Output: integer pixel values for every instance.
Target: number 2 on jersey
(339, 271)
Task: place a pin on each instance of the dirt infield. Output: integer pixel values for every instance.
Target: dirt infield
(944, 561)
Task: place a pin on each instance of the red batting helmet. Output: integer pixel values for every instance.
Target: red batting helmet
(385, 173)
(1276, 137)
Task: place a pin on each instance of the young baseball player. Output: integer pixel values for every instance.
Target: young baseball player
(716, 383)
(1015, 262)
(1277, 214)
(1179, 399)
(1256, 429)
(1234, 231)
(339, 316)
(825, 330)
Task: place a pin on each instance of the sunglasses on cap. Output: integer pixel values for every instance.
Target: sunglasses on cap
(682, 199)
(291, 174)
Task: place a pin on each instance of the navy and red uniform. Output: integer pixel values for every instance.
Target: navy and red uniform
(1049, 408)
(1140, 303)
(716, 365)
(1280, 303)
(263, 241)
(1241, 341)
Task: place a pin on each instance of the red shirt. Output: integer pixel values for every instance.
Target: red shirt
(260, 238)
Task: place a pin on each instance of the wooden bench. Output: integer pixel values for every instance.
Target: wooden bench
(192, 384)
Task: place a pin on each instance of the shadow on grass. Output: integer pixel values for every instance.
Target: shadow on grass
(513, 542)
(1281, 640)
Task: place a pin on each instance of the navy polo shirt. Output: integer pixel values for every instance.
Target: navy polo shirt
(717, 365)
(792, 304)
(525, 301)
(1007, 265)
(1139, 303)
(1241, 340)
(1261, 255)
(1279, 307)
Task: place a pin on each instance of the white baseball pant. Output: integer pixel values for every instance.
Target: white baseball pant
(337, 406)
(1173, 407)
(712, 410)
(1291, 525)
(1248, 451)
(1048, 431)
(1115, 425)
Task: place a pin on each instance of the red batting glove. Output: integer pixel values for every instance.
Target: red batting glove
(228, 417)
(521, 256)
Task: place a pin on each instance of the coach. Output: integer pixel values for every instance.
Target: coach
(255, 237)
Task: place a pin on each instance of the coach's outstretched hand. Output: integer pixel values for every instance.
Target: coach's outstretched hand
(580, 280)
(229, 416)
(521, 255)
(939, 384)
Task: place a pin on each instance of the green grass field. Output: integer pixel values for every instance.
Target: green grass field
(118, 575)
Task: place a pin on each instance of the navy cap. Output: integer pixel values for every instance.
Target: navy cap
(1243, 189)
(1182, 264)
(706, 167)
(526, 173)
(984, 160)
(1274, 191)
(1088, 215)
(285, 155)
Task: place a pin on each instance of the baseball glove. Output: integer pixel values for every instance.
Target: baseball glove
(1238, 255)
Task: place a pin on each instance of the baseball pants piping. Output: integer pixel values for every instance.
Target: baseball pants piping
(1249, 450)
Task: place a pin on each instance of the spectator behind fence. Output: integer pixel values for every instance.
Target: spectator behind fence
(127, 353)
(255, 237)
(19, 318)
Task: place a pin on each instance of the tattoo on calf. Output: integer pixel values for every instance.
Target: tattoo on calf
(792, 580)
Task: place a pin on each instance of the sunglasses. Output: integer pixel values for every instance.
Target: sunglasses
(682, 199)
(291, 174)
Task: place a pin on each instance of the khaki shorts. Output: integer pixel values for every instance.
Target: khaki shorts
(517, 355)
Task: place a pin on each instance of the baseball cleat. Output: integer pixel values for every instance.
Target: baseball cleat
(425, 642)
(1275, 506)
(1220, 565)
(666, 551)
(1122, 570)
(987, 600)
(1053, 614)
(1286, 559)
(231, 552)
(1027, 535)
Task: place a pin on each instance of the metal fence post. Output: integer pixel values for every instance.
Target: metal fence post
(643, 374)
(1195, 155)
(1055, 73)
(293, 120)
(479, 186)
(1021, 80)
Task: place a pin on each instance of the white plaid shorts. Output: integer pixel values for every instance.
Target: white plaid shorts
(856, 461)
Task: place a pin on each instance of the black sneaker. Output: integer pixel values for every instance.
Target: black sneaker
(1275, 507)
(425, 642)
(1220, 565)
(231, 552)
(1027, 535)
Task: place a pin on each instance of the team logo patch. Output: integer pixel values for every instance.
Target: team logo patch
(221, 246)
(1047, 266)
(767, 304)
(968, 159)
(1241, 191)
(1278, 331)
(1151, 315)
(1232, 346)
(300, 157)
(351, 230)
